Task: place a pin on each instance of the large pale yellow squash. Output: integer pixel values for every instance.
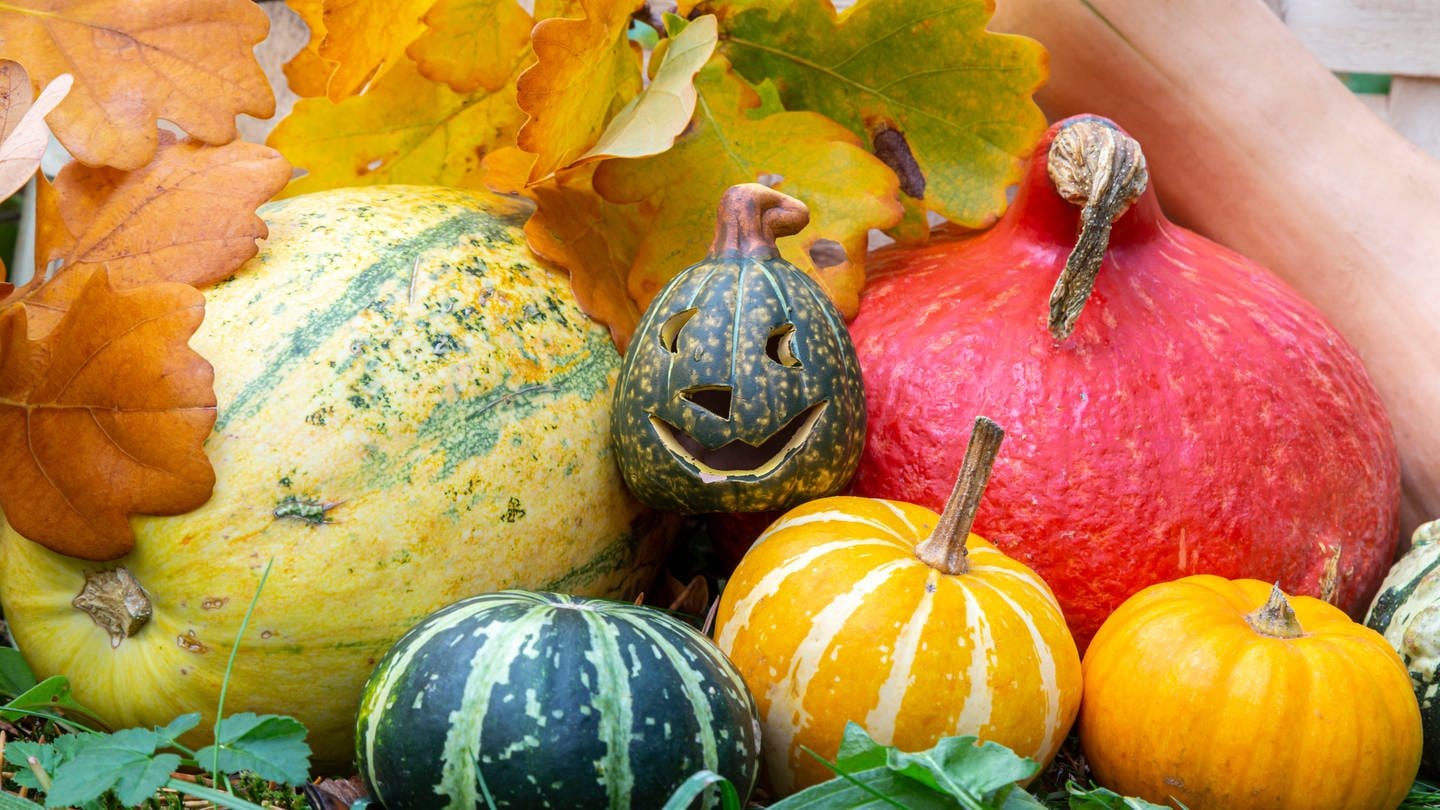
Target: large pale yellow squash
(411, 410)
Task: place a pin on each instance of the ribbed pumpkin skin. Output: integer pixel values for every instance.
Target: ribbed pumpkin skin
(552, 701)
(1407, 612)
(1184, 699)
(411, 410)
(1202, 418)
(739, 301)
(830, 618)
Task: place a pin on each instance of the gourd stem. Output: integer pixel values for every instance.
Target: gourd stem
(944, 549)
(1276, 618)
(751, 217)
(115, 601)
(1095, 165)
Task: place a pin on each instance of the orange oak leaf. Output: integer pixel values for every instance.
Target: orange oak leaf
(404, 129)
(471, 44)
(190, 62)
(187, 216)
(104, 417)
(366, 38)
(586, 71)
(23, 134)
(595, 240)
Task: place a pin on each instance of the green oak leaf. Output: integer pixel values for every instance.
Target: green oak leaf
(922, 77)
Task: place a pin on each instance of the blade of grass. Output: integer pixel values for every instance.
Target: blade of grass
(698, 783)
(230, 665)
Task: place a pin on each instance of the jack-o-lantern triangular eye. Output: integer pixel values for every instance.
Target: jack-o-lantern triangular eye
(780, 345)
(669, 332)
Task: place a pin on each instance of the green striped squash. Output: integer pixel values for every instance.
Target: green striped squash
(1407, 612)
(740, 390)
(411, 410)
(526, 699)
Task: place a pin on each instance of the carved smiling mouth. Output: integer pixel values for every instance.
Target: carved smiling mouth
(737, 456)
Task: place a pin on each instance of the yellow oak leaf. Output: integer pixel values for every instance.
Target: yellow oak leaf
(586, 70)
(365, 39)
(190, 62)
(471, 44)
(946, 103)
(307, 72)
(847, 189)
(404, 129)
(23, 134)
(651, 121)
(104, 417)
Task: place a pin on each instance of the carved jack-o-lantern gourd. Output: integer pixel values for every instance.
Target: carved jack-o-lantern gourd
(740, 391)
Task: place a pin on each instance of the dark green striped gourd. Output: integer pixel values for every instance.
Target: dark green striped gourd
(740, 390)
(1407, 612)
(548, 700)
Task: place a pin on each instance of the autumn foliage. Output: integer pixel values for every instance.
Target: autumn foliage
(622, 128)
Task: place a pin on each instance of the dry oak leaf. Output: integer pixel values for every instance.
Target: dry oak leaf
(471, 44)
(960, 95)
(187, 216)
(595, 241)
(365, 39)
(23, 134)
(404, 129)
(586, 70)
(649, 124)
(191, 62)
(104, 417)
(847, 189)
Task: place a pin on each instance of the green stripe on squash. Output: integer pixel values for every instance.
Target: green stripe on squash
(551, 701)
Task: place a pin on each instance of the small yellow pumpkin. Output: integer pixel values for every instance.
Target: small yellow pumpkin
(1222, 693)
(887, 614)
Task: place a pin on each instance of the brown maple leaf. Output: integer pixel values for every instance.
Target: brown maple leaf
(191, 62)
(105, 416)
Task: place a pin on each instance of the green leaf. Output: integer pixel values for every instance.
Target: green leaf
(18, 754)
(15, 675)
(9, 801)
(700, 781)
(271, 746)
(960, 96)
(874, 788)
(1098, 798)
(172, 731)
(962, 768)
(124, 762)
(50, 698)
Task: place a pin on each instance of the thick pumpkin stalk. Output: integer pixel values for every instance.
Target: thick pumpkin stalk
(751, 217)
(1276, 618)
(1094, 165)
(944, 549)
(115, 601)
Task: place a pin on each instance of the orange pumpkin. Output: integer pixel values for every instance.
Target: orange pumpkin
(1225, 694)
(899, 619)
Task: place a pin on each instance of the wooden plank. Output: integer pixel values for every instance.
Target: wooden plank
(1414, 110)
(1368, 36)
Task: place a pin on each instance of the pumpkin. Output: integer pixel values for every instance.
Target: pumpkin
(889, 615)
(550, 700)
(1227, 694)
(1263, 149)
(1179, 410)
(1407, 612)
(739, 390)
(411, 410)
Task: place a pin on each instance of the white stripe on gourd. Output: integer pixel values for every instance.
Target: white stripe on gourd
(880, 722)
(604, 654)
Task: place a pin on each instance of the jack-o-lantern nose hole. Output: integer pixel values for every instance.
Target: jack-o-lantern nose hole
(780, 345)
(713, 398)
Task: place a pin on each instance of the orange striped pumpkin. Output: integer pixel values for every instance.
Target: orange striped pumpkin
(831, 617)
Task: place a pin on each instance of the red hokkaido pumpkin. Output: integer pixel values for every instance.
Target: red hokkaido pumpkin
(1200, 417)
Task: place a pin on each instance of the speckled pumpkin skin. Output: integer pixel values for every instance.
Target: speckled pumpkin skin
(738, 301)
(1202, 418)
(411, 411)
(1407, 612)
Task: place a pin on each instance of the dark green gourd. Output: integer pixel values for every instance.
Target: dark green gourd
(1407, 612)
(740, 391)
